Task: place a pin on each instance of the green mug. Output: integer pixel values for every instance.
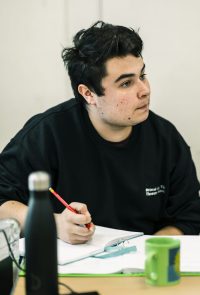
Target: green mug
(162, 262)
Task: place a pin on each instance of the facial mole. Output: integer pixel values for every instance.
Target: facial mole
(129, 118)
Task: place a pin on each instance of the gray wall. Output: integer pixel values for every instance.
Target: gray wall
(33, 33)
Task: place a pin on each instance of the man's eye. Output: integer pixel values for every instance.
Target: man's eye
(125, 84)
(143, 77)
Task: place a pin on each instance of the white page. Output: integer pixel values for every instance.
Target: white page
(129, 263)
(102, 237)
(189, 251)
(134, 262)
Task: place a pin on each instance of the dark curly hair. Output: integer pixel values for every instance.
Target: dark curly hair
(85, 61)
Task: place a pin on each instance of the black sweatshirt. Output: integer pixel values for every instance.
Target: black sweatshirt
(141, 184)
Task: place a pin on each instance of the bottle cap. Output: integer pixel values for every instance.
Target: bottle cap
(39, 181)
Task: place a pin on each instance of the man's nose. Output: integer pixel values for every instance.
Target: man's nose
(143, 89)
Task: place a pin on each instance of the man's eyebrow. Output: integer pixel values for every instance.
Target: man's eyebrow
(123, 76)
(128, 75)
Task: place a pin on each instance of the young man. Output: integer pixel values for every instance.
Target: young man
(122, 165)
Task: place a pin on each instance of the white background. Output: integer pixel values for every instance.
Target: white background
(33, 78)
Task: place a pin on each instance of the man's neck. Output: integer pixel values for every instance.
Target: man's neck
(108, 131)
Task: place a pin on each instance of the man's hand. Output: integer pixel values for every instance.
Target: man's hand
(169, 231)
(71, 226)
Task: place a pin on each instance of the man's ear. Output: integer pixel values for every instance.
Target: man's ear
(87, 94)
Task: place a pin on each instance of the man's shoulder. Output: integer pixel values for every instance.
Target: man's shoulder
(59, 111)
(64, 107)
(159, 122)
(54, 118)
(164, 129)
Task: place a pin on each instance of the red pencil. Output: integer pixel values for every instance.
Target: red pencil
(88, 225)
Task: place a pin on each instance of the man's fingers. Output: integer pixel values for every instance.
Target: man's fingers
(80, 234)
(78, 218)
(80, 207)
(72, 227)
(83, 230)
(76, 239)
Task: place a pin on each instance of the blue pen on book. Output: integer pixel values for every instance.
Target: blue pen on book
(115, 251)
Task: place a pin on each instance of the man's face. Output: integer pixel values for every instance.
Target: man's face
(126, 92)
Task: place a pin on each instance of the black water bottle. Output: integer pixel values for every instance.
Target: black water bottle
(40, 239)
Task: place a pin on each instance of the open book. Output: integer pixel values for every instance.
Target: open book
(133, 262)
(86, 258)
(103, 238)
(126, 263)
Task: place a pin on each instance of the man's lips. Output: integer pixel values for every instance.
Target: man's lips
(144, 106)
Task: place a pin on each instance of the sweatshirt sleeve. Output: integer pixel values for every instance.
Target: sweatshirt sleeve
(183, 204)
(28, 151)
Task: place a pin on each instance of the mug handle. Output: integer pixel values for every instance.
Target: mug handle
(150, 266)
